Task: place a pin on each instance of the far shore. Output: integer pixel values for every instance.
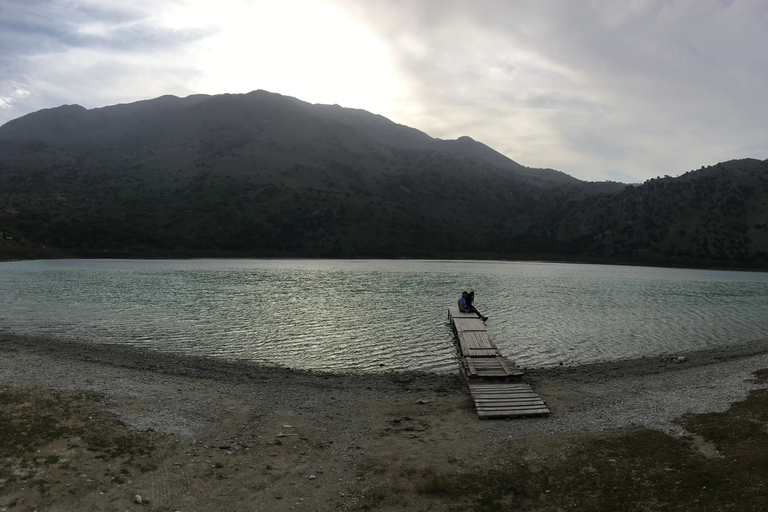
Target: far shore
(33, 254)
(235, 435)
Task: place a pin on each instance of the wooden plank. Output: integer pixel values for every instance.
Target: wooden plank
(468, 346)
(491, 407)
(517, 405)
(482, 360)
(506, 400)
(502, 390)
(518, 411)
(501, 415)
(463, 344)
(517, 414)
(509, 399)
(504, 365)
(490, 350)
(514, 403)
(504, 393)
(490, 367)
(500, 396)
(469, 324)
(477, 353)
(509, 392)
(504, 414)
(478, 339)
(503, 386)
(471, 366)
(481, 353)
(489, 362)
(500, 407)
(529, 411)
(512, 370)
(453, 312)
(489, 371)
(484, 353)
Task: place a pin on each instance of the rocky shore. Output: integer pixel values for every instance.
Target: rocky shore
(279, 439)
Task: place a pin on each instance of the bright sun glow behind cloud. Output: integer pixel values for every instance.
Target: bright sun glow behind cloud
(310, 50)
(597, 90)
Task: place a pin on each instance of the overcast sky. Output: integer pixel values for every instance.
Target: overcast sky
(622, 90)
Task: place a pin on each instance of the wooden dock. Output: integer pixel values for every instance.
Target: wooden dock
(492, 378)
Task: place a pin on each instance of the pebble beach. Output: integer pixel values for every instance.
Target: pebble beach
(199, 402)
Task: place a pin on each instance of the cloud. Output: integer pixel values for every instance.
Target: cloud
(643, 86)
(92, 53)
(597, 89)
(96, 53)
(305, 48)
(6, 101)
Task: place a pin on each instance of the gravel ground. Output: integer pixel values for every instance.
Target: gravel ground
(647, 392)
(242, 436)
(180, 394)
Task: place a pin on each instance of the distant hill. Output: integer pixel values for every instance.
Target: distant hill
(270, 175)
(716, 215)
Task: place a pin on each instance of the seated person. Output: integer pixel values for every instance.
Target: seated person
(467, 308)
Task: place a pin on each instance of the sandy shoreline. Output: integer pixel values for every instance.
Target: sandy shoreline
(338, 422)
(707, 380)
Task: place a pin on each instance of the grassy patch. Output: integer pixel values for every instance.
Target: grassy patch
(25, 425)
(40, 430)
(624, 470)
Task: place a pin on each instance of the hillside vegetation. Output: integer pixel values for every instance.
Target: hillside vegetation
(262, 174)
(716, 214)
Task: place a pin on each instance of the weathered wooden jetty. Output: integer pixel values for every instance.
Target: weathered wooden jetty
(494, 380)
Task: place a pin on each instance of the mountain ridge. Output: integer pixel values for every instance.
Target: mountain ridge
(265, 174)
(62, 126)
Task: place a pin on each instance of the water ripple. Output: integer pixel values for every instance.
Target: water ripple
(381, 315)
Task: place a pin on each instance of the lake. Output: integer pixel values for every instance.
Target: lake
(381, 315)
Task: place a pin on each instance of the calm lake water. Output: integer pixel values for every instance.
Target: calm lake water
(372, 315)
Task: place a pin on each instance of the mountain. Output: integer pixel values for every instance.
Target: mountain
(310, 145)
(260, 172)
(270, 175)
(716, 215)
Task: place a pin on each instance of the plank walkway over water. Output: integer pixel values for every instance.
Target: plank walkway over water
(492, 378)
